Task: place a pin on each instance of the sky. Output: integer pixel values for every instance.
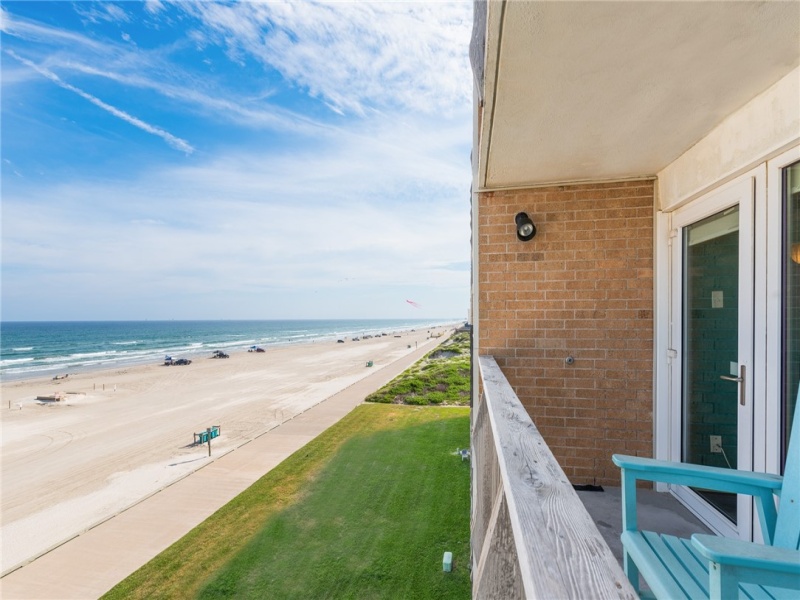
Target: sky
(235, 160)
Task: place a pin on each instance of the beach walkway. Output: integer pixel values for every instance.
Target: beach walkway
(92, 563)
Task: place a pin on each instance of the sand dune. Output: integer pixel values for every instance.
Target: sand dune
(123, 434)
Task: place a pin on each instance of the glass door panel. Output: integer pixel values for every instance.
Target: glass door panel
(710, 365)
(791, 301)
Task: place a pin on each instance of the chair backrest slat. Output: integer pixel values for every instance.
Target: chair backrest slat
(787, 527)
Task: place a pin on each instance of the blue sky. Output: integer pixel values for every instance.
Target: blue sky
(258, 160)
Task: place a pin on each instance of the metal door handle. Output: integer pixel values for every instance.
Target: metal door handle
(741, 381)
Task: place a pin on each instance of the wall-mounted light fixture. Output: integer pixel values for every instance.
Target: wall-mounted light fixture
(525, 227)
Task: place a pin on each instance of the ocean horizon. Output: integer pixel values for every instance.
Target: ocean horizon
(33, 349)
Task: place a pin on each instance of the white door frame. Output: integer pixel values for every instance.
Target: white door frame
(767, 457)
(748, 192)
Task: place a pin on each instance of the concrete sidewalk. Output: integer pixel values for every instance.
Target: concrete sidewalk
(92, 563)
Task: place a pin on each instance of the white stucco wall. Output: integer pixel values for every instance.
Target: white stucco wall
(762, 128)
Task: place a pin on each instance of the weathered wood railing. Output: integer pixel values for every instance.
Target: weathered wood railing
(531, 535)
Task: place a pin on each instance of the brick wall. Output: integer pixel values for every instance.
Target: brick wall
(583, 287)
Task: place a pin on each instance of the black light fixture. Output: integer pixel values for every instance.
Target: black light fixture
(525, 227)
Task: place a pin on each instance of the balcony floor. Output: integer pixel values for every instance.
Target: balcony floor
(656, 512)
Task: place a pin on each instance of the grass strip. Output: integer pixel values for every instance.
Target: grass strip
(440, 377)
(363, 511)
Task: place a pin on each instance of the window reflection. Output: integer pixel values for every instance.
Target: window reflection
(791, 296)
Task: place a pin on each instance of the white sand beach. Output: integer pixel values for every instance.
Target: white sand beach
(121, 435)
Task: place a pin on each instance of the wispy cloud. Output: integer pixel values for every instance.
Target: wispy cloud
(152, 70)
(257, 256)
(356, 56)
(153, 6)
(235, 109)
(37, 32)
(333, 159)
(335, 219)
(174, 141)
(102, 11)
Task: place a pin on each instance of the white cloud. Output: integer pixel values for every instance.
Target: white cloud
(151, 70)
(269, 253)
(373, 201)
(33, 31)
(339, 217)
(101, 11)
(174, 141)
(368, 188)
(243, 111)
(356, 56)
(153, 6)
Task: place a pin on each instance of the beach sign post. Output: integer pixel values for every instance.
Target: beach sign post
(206, 436)
(211, 433)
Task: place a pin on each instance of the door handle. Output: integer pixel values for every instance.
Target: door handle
(741, 381)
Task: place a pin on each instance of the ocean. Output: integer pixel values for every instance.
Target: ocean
(40, 349)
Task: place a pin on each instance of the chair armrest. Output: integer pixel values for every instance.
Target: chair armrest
(735, 562)
(762, 486)
(710, 478)
(738, 553)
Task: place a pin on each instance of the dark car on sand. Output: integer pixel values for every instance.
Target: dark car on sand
(169, 361)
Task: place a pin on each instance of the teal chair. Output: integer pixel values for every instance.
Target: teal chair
(708, 566)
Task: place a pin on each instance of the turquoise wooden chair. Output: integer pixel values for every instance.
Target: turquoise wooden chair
(707, 566)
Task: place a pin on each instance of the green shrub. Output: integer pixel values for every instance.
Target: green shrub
(416, 400)
(441, 377)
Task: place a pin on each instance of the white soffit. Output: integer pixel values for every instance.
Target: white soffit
(613, 90)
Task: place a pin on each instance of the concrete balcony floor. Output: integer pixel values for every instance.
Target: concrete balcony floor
(657, 511)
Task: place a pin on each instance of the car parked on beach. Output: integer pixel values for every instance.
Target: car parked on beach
(219, 354)
(169, 361)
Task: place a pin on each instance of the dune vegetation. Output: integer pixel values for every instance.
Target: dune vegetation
(441, 377)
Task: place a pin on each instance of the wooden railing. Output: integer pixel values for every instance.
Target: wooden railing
(531, 535)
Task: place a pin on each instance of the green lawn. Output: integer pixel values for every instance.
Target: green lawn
(364, 511)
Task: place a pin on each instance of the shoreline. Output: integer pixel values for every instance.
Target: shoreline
(124, 433)
(198, 349)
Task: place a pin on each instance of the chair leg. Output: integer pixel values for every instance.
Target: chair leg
(723, 582)
(631, 570)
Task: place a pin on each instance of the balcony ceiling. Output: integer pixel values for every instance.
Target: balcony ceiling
(580, 91)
